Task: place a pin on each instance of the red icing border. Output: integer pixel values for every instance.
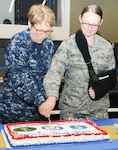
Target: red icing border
(43, 136)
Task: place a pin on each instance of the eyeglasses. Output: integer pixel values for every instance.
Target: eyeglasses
(85, 24)
(41, 31)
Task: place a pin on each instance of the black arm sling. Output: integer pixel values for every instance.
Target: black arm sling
(101, 83)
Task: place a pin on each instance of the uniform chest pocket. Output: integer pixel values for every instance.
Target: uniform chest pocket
(76, 60)
(32, 63)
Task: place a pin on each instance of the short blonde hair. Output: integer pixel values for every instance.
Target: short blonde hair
(38, 13)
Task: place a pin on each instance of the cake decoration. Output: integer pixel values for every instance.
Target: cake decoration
(57, 132)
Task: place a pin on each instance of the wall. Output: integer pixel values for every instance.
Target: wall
(109, 28)
(4, 11)
(60, 33)
(70, 13)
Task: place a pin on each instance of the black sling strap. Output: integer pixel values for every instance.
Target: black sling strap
(83, 47)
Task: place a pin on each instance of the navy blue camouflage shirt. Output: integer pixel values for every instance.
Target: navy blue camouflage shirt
(26, 64)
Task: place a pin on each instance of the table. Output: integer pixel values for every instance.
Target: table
(110, 145)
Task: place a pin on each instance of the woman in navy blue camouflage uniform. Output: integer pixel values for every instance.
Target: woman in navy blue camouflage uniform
(28, 57)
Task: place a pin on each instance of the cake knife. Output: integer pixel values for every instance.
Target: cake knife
(49, 119)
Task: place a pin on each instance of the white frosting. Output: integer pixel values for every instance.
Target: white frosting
(56, 132)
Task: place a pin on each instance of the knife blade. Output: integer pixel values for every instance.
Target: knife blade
(49, 119)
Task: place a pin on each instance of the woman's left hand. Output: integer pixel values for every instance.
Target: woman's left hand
(91, 93)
